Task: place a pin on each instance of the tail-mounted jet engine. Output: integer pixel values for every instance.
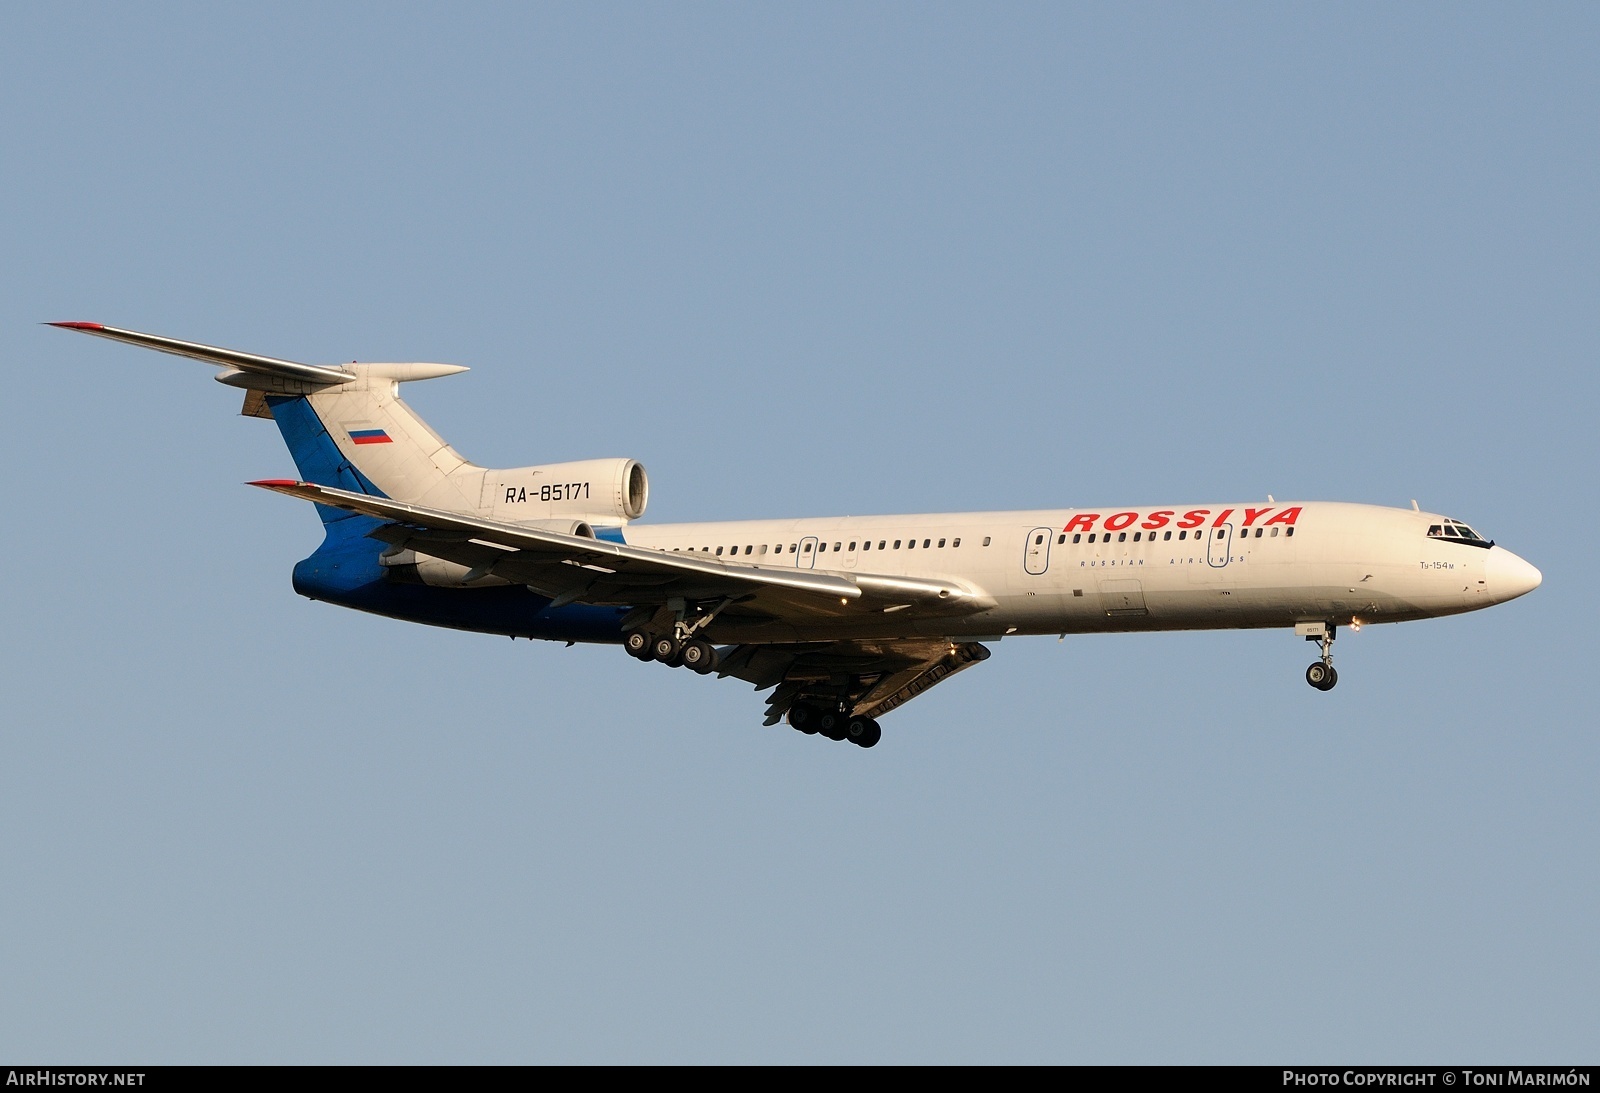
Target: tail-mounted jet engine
(601, 491)
(570, 498)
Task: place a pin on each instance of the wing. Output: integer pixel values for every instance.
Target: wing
(576, 569)
(869, 678)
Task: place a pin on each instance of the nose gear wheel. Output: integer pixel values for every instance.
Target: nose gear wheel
(1321, 674)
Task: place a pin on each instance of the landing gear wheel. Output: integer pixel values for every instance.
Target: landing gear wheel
(637, 643)
(862, 732)
(667, 651)
(1321, 676)
(699, 656)
(804, 716)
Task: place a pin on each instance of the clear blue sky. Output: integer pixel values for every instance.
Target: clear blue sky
(798, 260)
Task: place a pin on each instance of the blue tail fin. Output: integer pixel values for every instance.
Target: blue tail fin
(317, 457)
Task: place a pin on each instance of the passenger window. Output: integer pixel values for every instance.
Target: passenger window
(852, 546)
(986, 539)
(1258, 532)
(1166, 536)
(808, 548)
(1183, 535)
(897, 544)
(836, 548)
(1077, 537)
(881, 542)
(1122, 537)
(1136, 536)
(925, 543)
(1288, 532)
(941, 544)
(911, 544)
(762, 552)
(954, 543)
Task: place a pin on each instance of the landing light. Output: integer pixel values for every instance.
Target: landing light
(1355, 625)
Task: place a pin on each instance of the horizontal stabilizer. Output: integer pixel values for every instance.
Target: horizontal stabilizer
(314, 374)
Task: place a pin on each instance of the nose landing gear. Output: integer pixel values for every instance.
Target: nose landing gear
(1321, 674)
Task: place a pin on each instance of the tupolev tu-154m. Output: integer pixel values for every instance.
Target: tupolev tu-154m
(844, 618)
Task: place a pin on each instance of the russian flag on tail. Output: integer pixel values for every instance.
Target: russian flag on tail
(369, 436)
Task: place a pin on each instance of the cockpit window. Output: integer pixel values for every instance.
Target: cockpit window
(1456, 531)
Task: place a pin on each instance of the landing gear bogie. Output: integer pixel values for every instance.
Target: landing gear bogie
(835, 723)
(831, 724)
(863, 732)
(668, 650)
(804, 716)
(698, 656)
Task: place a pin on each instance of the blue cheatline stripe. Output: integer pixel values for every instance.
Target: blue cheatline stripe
(319, 460)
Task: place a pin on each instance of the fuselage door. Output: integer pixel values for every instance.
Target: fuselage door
(1219, 546)
(852, 551)
(808, 552)
(1122, 598)
(1036, 553)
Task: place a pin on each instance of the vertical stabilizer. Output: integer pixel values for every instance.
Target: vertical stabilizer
(380, 438)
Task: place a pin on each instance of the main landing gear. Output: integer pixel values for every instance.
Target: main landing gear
(694, 654)
(817, 707)
(1321, 674)
(678, 647)
(834, 723)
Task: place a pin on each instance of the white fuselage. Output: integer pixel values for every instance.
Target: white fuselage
(1175, 568)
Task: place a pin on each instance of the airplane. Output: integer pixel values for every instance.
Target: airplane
(844, 618)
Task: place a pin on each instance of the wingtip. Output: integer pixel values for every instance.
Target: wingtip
(78, 326)
(275, 483)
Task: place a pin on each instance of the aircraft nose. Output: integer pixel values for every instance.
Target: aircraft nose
(1509, 576)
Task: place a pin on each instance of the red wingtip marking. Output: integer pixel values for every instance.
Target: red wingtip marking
(273, 483)
(79, 326)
